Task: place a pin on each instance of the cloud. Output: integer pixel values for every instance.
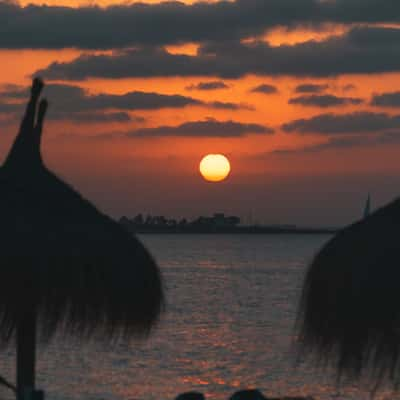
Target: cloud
(338, 143)
(230, 106)
(213, 85)
(140, 24)
(207, 128)
(348, 87)
(95, 117)
(361, 50)
(69, 98)
(264, 88)
(6, 108)
(324, 101)
(386, 99)
(11, 109)
(175, 22)
(73, 103)
(311, 88)
(75, 117)
(358, 122)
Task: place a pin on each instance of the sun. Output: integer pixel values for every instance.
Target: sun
(214, 167)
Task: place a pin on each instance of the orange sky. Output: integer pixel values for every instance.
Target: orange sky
(163, 167)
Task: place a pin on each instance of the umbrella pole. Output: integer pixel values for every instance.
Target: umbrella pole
(26, 346)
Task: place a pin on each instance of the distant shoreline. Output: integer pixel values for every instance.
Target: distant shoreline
(252, 230)
(219, 223)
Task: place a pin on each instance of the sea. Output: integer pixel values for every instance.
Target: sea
(228, 325)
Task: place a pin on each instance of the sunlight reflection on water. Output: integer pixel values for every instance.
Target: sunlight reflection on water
(229, 325)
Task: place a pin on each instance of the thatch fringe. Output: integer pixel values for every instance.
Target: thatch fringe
(349, 313)
(61, 258)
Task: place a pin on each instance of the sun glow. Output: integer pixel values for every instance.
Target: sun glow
(214, 167)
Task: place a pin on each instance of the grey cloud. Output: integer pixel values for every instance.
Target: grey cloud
(341, 143)
(206, 128)
(338, 143)
(358, 122)
(324, 101)
(332, 143)
(141, 62)
(72, 103)
(311, 88)
(9, 108)
(94, 117)
(361, 50)
(386, 99)
(76, 117)
(213, 85)
(175, 22)
(143, 24)
(264, 88)
(230, 106)
(348, 87)
(74, 99)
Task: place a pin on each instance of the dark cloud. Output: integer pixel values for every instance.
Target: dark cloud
(333, 143)
(76, 117)
(11, 109)
(338, 143)
(206, 128)
(324, 101)
(69, 98)
(175, 22)
(229, 106)
(361, 50)
(75, 104)
(386, 99)
(348, 87)
(213, 85)
(311, 88)
(94, 117)
(264, 88)
(358, 122)
(143, 24)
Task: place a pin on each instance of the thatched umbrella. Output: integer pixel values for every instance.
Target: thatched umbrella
(64, 264)
(349, 313)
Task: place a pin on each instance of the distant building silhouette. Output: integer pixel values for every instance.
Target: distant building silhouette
(138, 223)
(218, 223)
(217, 219)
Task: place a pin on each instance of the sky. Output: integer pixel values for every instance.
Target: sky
(302, 96)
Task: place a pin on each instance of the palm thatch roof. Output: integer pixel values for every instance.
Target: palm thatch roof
(61, 258)
(349, 314)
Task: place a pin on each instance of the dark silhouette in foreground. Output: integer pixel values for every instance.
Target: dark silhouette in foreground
(64, 265)
(246, 394)
(190, 396)
(8, 384)
(349, 315)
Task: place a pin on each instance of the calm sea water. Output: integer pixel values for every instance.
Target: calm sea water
(228, 325)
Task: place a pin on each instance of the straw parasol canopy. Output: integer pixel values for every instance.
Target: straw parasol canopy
(349, 314)
(64, 264)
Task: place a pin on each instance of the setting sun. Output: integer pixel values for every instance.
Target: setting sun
(214, 167)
